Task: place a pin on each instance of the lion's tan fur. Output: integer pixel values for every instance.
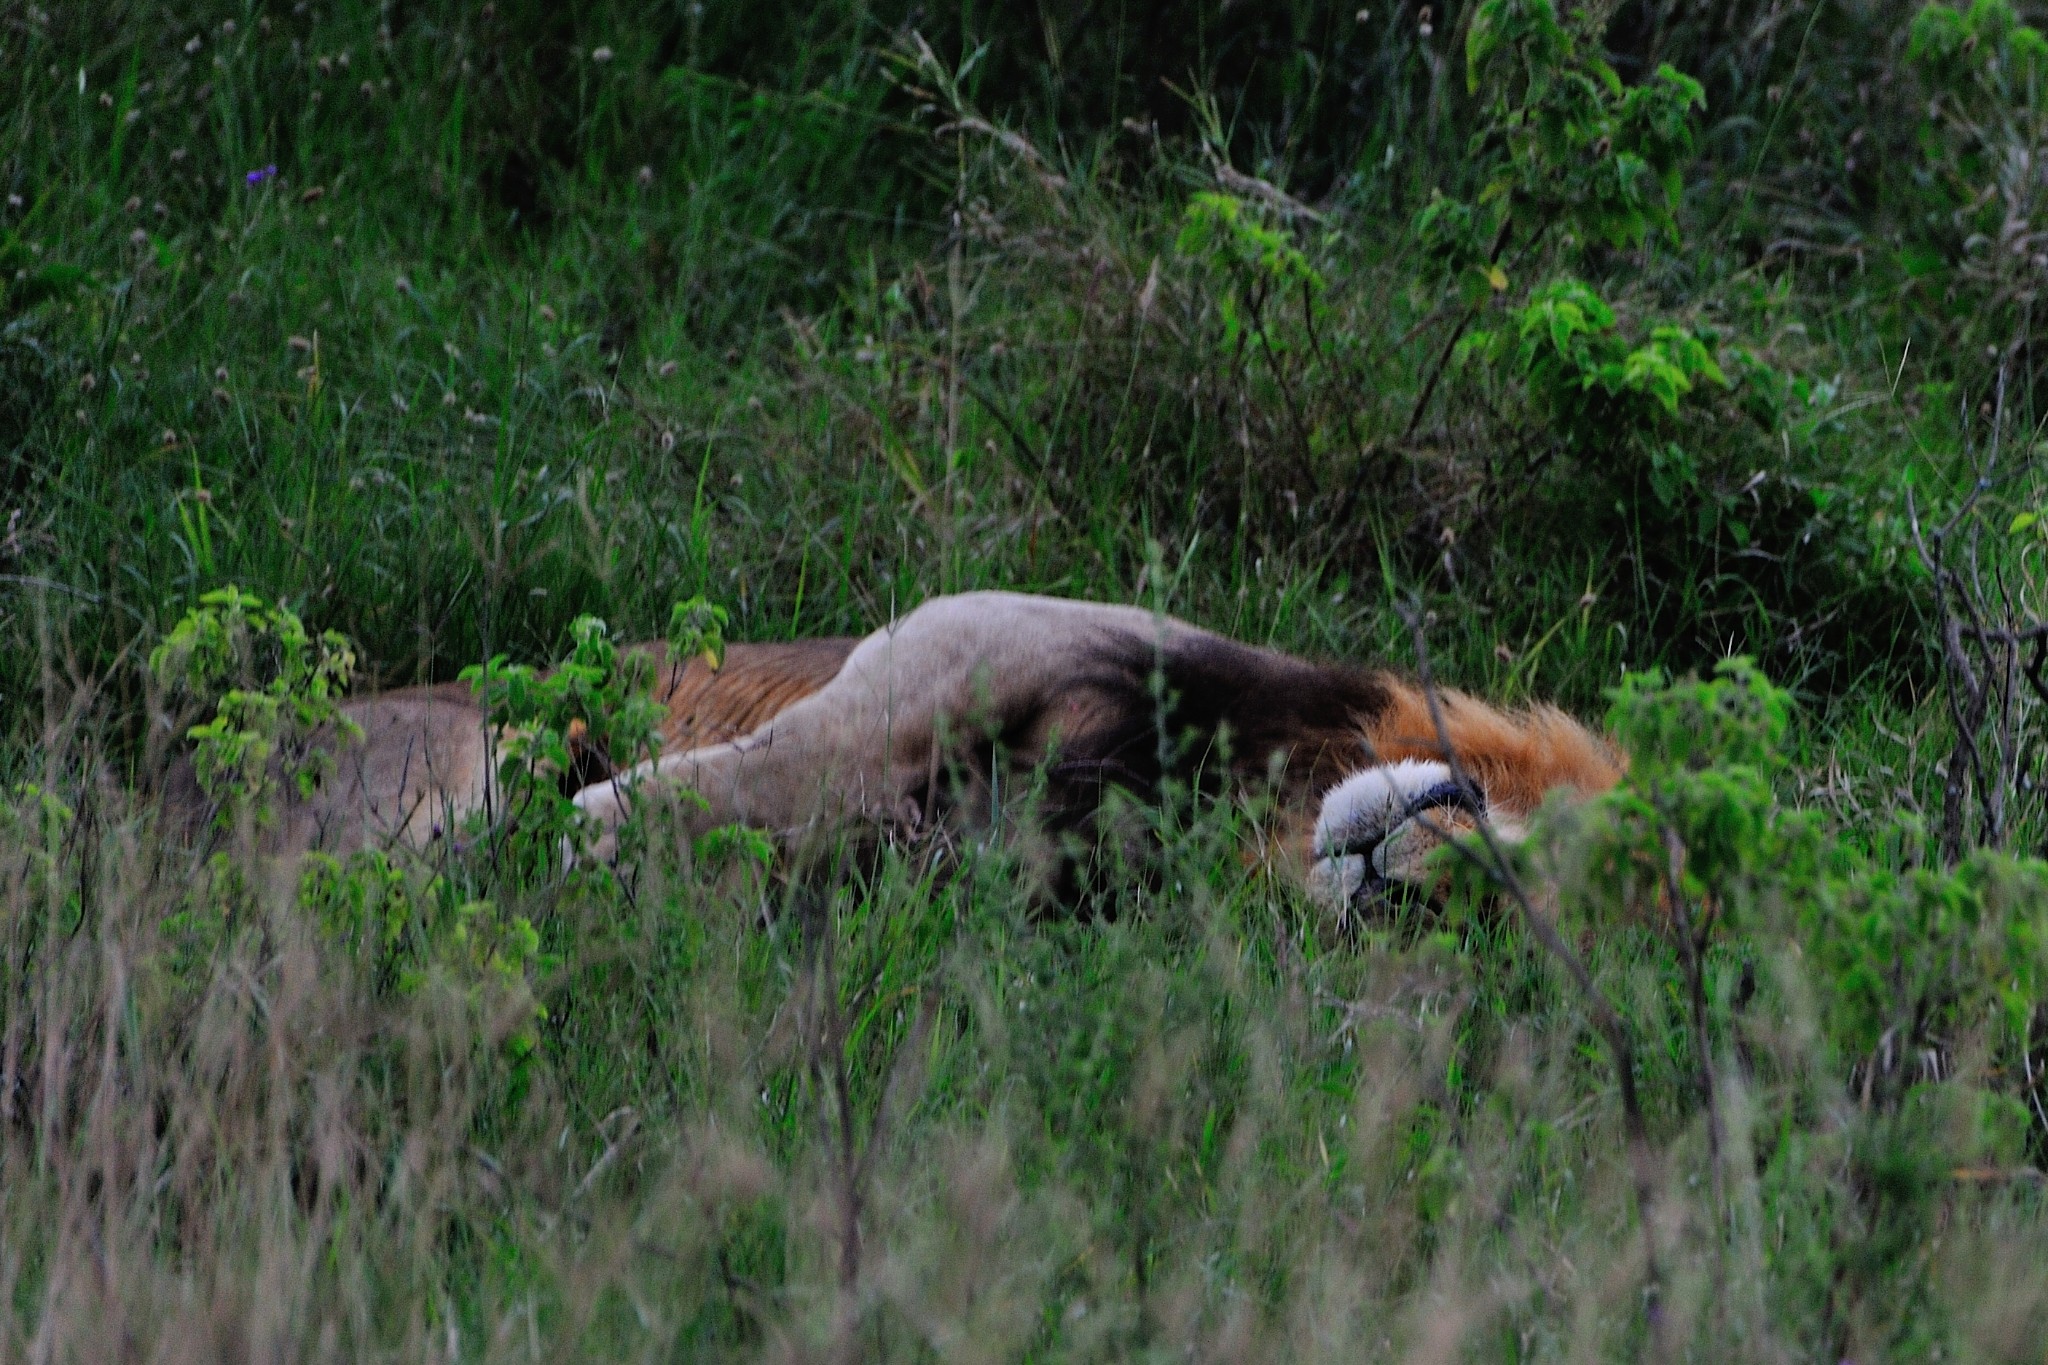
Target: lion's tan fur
(423, 764)
(421, 767)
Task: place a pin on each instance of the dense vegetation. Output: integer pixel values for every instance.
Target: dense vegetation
(1566, 353)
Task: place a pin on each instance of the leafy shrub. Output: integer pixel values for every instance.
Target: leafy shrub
(1568, 149)
(1258, 260)
(1570, 146)
(1908, 962)
(1970, 250)
(275, 687)
(593, 710)
(696, 630)
(1572, 161)
(400, 926)
(587, 716)
(1612, 401)
(1562, 146)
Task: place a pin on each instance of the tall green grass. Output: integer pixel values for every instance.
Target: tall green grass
(551, 311)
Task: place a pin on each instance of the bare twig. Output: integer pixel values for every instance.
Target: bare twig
(1265, 191)
(1255, 300)
(1016, 144)
(826, 1035)
(1692, 947)
(2007, 635)
(628, 1129)
(1982, 636)
(2033, 1081)
(1500, 244)
(48, 585)
(1494, 863)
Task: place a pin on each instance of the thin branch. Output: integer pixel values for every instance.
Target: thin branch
(1500, 242)
(1692, 946)
(2034, 634)
(1609, 1021)
(1255, 299)
(1981, 641)
(1436, 372)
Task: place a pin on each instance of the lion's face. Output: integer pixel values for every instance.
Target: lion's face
(1377, 828)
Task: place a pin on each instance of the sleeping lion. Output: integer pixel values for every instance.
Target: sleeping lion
(948, 711)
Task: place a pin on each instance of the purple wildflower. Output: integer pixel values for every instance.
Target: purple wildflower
(258, 177)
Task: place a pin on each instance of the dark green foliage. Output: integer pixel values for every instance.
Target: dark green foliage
(1968, 251)
(1578, 150)
(1917, 962)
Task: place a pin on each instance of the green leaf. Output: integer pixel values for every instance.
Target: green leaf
(1474, 288)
